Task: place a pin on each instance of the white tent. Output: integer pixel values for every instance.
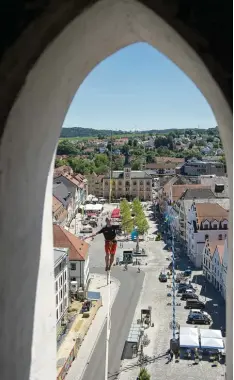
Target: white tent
(189, 341)
(209, 333)
(92, 207)
(212, 343)
(188, 331)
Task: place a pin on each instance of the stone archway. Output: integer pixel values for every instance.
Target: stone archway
(27, 146)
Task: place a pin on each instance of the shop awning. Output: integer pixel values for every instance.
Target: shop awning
(210, 333)
(189, 341)
(213, 343)
(115, 213)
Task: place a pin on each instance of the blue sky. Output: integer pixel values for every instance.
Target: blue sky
(138, 88)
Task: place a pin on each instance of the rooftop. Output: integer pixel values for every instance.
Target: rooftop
(223, 202)
(169, 159)
(216, 244)
(56, 204)
(61, 192)
(59, 253)
(179, 190)
(198, 193)
(210, 211)
(78, 249)
(214, 182)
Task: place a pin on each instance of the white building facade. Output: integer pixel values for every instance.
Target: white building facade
(61, 279)
(79, 272)
(205, 221)
(215, 264)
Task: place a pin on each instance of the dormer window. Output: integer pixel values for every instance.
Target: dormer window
(206, 226)
(215, 226)
(225, 226)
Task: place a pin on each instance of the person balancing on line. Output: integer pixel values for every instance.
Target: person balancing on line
(109, 231)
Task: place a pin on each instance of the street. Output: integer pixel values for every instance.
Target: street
(122, 314)
(133, 295)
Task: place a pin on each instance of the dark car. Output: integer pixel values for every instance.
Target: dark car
(187, 296)
(183, 289)
(201, 319)
(185, 285)
(162, 277)
(193, 303)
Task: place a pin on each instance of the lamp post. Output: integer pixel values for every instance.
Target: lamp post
(174, 341)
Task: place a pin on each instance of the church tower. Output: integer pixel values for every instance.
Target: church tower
(127, 176)
(127, 167)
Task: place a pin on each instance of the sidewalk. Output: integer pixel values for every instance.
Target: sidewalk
(98, 284)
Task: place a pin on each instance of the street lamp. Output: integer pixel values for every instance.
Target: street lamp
(174, 341)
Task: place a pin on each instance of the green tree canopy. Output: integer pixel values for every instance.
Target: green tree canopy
(66, 147)
(126, 218)
(136, 165)
(59, 163)
(101, 159)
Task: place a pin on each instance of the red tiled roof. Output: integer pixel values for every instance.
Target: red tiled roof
(178, 190)
(210, 211)
(78, 249)
(71, 179)
(169, 160)
(219, 244)
(62, 170)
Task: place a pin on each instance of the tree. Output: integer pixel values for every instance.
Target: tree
(59, 162)
(101, 159)
(126, 219)
(102, 169)
(150, 157)
(140, 220)
(144, 374)
(66, 147)
(136, 165)
(135, 143)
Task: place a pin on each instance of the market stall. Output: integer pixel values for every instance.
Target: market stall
(211, 339)
(189, 337)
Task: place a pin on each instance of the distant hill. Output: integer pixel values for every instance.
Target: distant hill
(90, 132)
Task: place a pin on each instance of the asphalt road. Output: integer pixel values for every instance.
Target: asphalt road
(122, 315)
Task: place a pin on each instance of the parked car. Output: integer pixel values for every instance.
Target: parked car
(194, 304)
(185, 285)
(86, 230)
(186, 296)
(162, 277)
(201, 319)
(197, 311)
(185, 289)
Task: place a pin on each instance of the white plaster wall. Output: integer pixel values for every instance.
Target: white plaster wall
(31, 133)
(43, 360)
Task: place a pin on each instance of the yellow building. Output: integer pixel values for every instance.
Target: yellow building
(128, 184)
